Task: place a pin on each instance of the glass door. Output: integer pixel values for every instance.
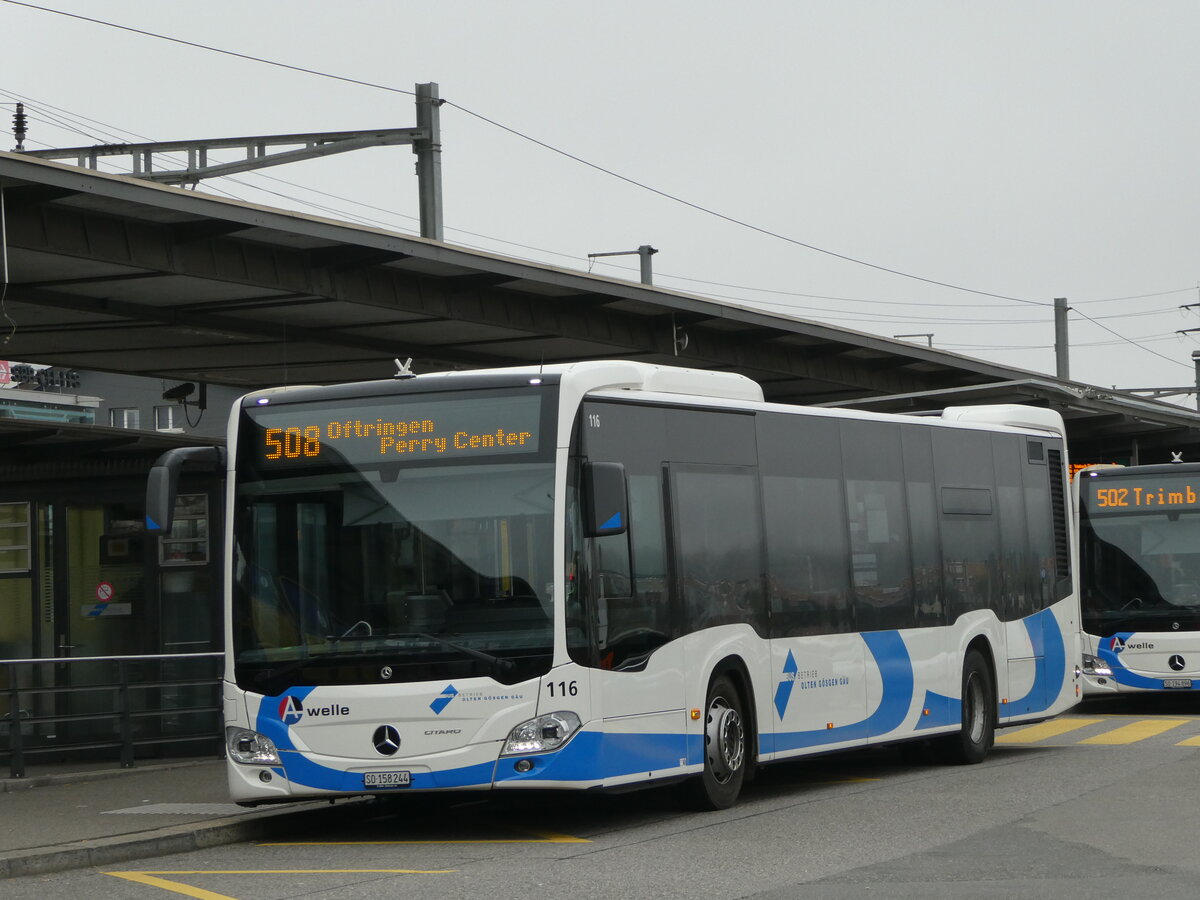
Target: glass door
(100, 610)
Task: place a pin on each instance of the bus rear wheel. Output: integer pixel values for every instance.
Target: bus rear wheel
(724, 748)
(978, 731)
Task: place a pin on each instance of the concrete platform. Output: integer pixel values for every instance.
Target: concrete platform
(75, 817)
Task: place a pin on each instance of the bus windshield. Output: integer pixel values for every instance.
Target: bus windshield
(1140, 547)
(357, 565)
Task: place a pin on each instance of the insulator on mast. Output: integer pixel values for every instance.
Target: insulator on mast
(19, 126)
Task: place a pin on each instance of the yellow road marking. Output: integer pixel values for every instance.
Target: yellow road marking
(187, 890)
(1134, 731)
(1190, 742)
(1044, 730)
(540, 837)
(1114, 715)
(553, 837)
(173, 886)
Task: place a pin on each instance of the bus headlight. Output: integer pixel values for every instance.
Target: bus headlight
(548, 732)
(1093, 665)
(250, 748)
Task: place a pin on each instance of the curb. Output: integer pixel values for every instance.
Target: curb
(158, 842)
(10, 785)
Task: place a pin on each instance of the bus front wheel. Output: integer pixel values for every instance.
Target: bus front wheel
(978, 731)
(724, 748)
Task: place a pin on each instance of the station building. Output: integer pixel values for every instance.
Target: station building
(79, 578)
(130, 291)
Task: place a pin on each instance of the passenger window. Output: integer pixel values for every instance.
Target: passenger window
(878, 519)
(718, 531)
(809, 581)
(1039, 526)
(1017, 583)
(804, 508)
(923, 525)
(969, 536)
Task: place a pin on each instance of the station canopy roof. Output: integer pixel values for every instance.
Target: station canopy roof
(112, 273)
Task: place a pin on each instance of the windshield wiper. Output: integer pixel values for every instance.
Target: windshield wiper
(499, 666)
(351, 633)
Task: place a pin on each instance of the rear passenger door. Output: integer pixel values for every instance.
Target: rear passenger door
(816, 667)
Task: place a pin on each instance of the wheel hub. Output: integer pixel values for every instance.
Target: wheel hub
(725, 739)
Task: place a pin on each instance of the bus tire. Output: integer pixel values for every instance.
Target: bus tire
(978, 730)
(724, 748)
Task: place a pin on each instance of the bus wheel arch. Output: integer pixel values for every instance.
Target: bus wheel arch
(729, 738)
(980, 710)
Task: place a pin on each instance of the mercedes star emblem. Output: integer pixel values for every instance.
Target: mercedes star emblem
(1176, 662)
(385, 673)
(386, 740)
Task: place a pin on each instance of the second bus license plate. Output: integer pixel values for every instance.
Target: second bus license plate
(1177, 682)
(399, 778)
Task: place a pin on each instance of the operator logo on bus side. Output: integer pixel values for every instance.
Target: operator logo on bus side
(443, 699)
(291, 710)
(793, 677)
(473, 695)
(1119, 644)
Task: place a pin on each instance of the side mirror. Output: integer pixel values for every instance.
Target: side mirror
(605, 499)
(163, 482)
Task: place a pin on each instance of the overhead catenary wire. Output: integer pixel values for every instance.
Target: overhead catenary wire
(792, 308)
(116, 134)
(582, 161)
(550, 147)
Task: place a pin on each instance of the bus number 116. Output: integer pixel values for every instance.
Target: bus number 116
(563, 688)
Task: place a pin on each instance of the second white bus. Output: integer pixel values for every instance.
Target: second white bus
(1139, 536)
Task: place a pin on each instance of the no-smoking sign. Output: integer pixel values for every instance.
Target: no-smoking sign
(104, 592)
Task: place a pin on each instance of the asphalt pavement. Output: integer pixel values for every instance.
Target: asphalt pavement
(69, 817)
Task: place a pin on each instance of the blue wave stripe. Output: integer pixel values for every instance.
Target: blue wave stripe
(895, 668)
(1050, 665)
(594, 756)
(299, 769)
(1124, 676)
(942, 711)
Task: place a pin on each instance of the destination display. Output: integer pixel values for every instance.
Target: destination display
(394, 429)
(1117, 495)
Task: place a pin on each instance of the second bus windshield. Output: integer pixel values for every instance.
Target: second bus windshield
(1140, 543)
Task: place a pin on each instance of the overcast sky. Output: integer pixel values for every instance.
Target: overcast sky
(1012, 153)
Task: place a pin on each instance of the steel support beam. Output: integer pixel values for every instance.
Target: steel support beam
(154, 249)
(316, 144)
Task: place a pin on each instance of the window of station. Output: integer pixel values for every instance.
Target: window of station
(15, 544)
(126, 417)
(168, 418)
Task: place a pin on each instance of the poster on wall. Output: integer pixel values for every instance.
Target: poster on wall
(105, 603)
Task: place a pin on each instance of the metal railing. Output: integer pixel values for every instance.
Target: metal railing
(57, 707)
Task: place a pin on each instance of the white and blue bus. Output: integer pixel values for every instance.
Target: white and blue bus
(606, 575)
(1139, 553)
